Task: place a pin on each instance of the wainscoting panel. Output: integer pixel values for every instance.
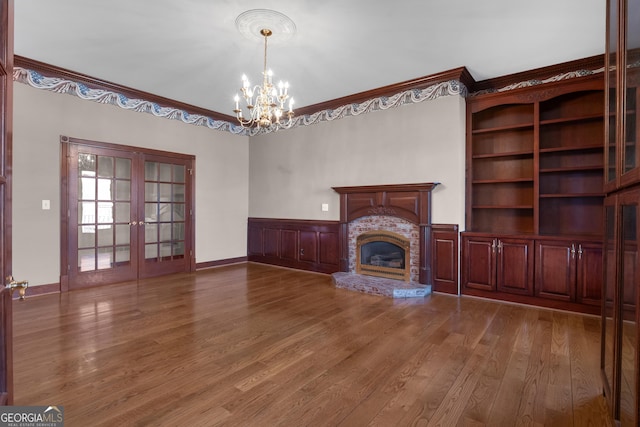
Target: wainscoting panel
(314, 246)
(303, 244)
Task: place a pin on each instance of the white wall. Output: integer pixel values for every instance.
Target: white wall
(291, 172)
(40, 117)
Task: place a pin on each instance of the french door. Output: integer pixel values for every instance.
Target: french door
(129, 213)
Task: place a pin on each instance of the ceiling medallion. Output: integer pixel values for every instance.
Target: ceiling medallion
(252, 22)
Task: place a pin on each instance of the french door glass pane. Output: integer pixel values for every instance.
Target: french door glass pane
(123, 254)
(179, 173)
(123, 234)
(86, 238)
(178, 249)
(151, 251)
(86, 259)
(123, 190)
(105, 235)
(150, 171)
(105, 167)
(105, 258)
(123, 168)
(165, 172)
(150, 233)
(178, 193)
(123, 212)
(150, 192)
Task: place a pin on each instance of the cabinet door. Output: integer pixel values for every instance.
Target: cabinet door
(328, 248)
(288, 245)
(555, 270)
(271, 241)
(479, 263)
(514, 266)
(589, 273)
(255, 243)
(308, 246)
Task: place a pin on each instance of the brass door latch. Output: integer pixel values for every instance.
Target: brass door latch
(21, 286)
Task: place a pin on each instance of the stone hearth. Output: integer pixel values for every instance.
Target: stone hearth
(380, 286)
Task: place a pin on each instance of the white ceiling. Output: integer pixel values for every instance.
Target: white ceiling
(191, 51)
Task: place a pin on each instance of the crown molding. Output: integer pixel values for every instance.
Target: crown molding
(543, 73)
(457, 81)
(94, 83)
(460, 74)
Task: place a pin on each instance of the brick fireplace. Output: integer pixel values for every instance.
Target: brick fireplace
(401, 209)
(382, 231)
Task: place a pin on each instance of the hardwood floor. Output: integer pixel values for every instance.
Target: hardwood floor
(255, 345)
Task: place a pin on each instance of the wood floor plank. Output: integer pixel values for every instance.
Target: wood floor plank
(256, 345)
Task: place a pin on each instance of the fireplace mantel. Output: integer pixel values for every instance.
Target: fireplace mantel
(411, 202)
(408, 201)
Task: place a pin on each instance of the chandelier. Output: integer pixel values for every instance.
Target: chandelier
(265, 104)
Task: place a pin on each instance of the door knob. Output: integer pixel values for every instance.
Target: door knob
(21, 286)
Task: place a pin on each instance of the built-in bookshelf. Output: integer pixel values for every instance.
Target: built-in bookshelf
(535, 161)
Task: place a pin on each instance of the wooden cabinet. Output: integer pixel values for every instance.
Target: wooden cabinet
(302, 244)
(497, 264)
(620, 341)
(544, 271)
(535, 160)
(535, 173)
(569, 271)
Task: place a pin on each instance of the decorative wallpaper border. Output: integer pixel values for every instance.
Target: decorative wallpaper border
(535, 82)
(413, 96)
(58, 85)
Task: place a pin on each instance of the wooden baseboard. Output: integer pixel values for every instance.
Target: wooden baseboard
(33, 291)
(221, 262)
(55, 288)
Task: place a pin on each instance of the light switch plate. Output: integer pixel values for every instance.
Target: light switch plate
(46, 205)
(325, 207)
